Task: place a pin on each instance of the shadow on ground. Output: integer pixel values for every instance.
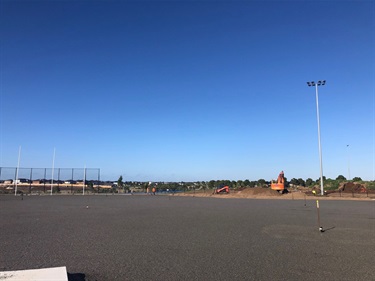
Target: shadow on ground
(330, 228)
(76, 277)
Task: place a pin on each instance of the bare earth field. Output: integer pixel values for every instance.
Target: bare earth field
(140, 237)
(267, 193)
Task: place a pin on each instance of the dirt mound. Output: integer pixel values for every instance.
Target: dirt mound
(352, 187)
(259, 191)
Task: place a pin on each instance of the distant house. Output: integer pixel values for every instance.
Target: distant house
(19, 181)
(70, 182)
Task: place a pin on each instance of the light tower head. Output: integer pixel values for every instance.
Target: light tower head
(312, 83)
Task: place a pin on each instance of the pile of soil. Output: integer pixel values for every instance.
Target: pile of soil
(350, 187)
(258, 191)
(254, 192)
(267, 193)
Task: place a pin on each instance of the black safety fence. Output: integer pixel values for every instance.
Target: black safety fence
(43, 180)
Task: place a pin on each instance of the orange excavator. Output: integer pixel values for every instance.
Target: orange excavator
(279, 186)
(224, 189)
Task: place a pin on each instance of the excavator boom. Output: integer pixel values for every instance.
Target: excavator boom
(224, 189)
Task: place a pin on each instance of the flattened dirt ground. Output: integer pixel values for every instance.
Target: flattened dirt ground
(267, 193)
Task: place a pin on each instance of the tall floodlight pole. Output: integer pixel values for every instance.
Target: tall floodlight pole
(18, 168)
(347, 147)
(319, 83)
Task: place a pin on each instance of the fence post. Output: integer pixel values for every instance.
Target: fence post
(58, 179)
(31, 179)
(71, 182)
(97, 186)
(44, 181)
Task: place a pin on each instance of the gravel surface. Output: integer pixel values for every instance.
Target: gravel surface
(137, 237)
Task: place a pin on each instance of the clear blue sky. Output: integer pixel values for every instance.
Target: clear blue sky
(188, 90)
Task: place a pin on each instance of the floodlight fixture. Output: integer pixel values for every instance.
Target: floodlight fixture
(319, 83)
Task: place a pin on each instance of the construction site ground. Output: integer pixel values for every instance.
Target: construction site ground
(124, 237)
(292, 194)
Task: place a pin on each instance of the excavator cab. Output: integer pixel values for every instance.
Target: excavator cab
(279, 186)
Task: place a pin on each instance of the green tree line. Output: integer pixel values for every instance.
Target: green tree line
(212, 184)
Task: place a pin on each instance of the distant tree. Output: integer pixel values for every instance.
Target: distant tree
(253, 184)
(357, 179)
(204, 185)
(120, 183)
(228, 183)
(294, 181)
(246, 182)
(211, 184)
(309, 182)
(301, 182)
(341, 178)
(174, 186)
(261, 182)
(318, 180)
